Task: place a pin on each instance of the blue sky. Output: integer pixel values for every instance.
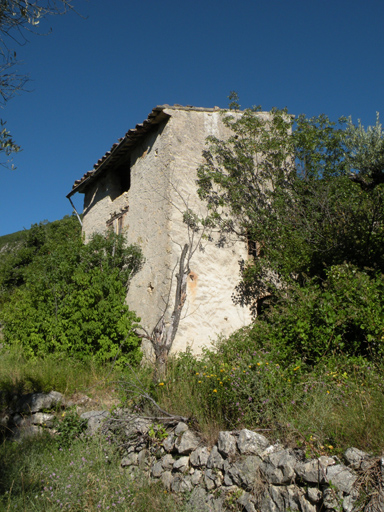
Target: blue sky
(96, 76)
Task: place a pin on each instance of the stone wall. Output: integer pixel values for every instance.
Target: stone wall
(163, 171)
(243, 471)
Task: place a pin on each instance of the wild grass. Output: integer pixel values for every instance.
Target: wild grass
(62, 373)
(326, 408)
(38, 476)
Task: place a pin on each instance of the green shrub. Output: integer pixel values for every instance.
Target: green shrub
(61, 295)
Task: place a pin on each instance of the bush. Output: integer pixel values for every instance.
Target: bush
(61, 295)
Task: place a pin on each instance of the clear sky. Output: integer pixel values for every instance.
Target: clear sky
(95, 77)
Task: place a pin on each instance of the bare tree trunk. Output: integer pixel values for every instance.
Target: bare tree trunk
(163, 335)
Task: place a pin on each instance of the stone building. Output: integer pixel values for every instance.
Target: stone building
(141, 188)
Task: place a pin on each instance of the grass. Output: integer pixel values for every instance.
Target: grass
(38, 476)
(323, 409)
(326, 409)
(19, 375)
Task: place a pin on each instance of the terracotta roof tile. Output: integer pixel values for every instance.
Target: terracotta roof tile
(129, 140)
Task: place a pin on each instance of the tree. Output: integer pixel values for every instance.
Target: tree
(58, 294)
(17, 19)
(290, 189)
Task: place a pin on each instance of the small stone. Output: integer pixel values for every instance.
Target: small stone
(167, 462)
(314, 494)
(157, 470)
(246, 500)
(355, 456)
(130, 460)
(215, 460)
(199, 457)
(181, 484)
(167, 479)
(169, 442)
(330, 499)
(251, 443)
(226, 444)
(212, 479)
(181, 465)
(143, 459)
(196, 477)
(43, 419)
(181, 428)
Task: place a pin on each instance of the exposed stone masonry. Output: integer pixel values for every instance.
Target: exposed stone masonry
(243, 471)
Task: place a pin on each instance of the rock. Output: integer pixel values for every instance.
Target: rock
(169, 442)
(314, 494)
(341, 477)
(181, 484)
(350, 500)
(157, 470)
(226, 444)
(330, 499)
(215, 460)
(27, 431)
(314, 471)
(94, 420)
(199, 457)
(355, 456)
(36, 402)
(244, 473)
(167, 479)
(251, 443)
(130, 460)
(196, 477)
(167, 462)
(246, 500)
(181, 465)
(181, 428)
(187, 442)
(144, 459)
(212, 479)
(4, 419)
(282, 499)
(43, 419)
(279, 467)
(198, 500)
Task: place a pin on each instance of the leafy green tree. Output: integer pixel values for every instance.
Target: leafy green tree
(61, 295)
(288, 187)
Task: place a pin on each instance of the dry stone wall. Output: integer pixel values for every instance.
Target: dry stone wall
(243, 471)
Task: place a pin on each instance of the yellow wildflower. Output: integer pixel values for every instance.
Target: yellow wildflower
(215, 390)
(161, 383)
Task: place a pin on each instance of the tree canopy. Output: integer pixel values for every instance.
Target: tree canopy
(306, 195)
(58, 294)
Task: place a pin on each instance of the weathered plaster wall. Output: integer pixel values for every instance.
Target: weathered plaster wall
(209, 309)
(163, 184)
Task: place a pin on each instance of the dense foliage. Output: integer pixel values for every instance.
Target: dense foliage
(307, 196)
(58, 294)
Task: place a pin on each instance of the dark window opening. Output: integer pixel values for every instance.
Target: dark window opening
(121, 180)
